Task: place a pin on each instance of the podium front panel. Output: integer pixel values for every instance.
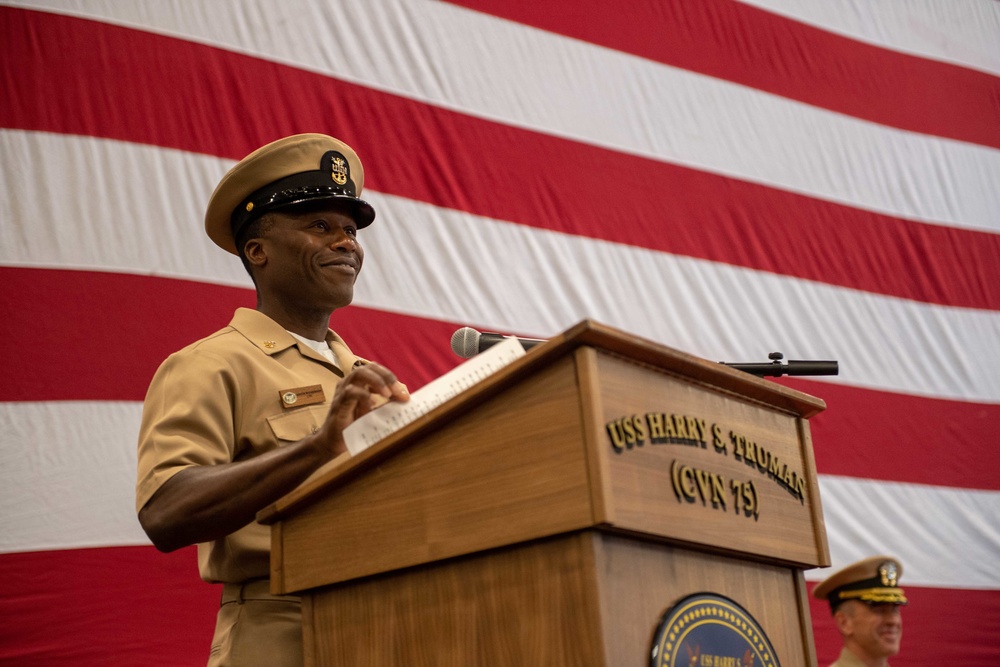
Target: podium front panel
(693, 462)
(512, 469)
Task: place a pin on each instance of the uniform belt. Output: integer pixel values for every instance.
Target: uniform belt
(255, 589)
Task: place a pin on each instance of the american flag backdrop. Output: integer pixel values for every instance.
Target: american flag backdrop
(816, 177)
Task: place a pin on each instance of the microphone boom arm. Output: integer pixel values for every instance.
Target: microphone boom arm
(793, 367)
(467, 342)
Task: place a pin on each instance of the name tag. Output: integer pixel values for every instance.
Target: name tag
(299, 396)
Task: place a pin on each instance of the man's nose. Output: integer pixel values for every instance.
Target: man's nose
(343, 240)
(893, 615)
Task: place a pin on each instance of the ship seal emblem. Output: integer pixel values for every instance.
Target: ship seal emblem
(710, 629)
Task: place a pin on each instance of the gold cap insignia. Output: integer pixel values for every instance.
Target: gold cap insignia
(888, 573)
(338, 170)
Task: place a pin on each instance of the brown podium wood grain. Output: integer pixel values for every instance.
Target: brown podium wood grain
(505, 528)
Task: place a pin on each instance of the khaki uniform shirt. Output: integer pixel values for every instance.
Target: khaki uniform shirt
(848, 659)
(229, 397)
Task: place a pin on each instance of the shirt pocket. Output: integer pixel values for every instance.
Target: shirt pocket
(297, 424)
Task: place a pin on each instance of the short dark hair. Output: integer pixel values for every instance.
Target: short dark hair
(252, 230)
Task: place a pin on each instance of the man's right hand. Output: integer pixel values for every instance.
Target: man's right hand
(364, 389)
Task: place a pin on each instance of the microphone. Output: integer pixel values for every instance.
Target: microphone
(467, 342)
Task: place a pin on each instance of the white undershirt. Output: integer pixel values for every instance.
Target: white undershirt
(320, 346)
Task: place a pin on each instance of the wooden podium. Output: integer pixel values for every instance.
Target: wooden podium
(554, 512)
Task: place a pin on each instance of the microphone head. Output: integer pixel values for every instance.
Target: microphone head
(465, 342)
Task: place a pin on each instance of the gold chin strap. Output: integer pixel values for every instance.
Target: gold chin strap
(877, 595)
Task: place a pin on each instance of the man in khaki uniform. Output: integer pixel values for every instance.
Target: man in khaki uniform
(865, 600)
(238, 419)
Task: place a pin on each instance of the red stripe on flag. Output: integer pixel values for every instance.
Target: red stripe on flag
(57, 609)
(82, 77)
(100, 336)
(750, 46)
(95, 607)
(887, 436)
(65, 322)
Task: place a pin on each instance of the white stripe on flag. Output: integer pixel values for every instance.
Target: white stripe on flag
(965, 33)
(927, 527)
(69, 475)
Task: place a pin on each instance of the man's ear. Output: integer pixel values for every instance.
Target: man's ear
(844, 620)
(255, 253)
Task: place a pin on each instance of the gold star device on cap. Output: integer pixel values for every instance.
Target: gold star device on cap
(873, 580)
(296, 169)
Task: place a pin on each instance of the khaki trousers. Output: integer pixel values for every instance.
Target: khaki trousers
(257, 629)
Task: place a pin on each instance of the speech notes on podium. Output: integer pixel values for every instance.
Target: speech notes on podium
(391, 417)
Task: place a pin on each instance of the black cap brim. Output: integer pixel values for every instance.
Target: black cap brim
(295, 190)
